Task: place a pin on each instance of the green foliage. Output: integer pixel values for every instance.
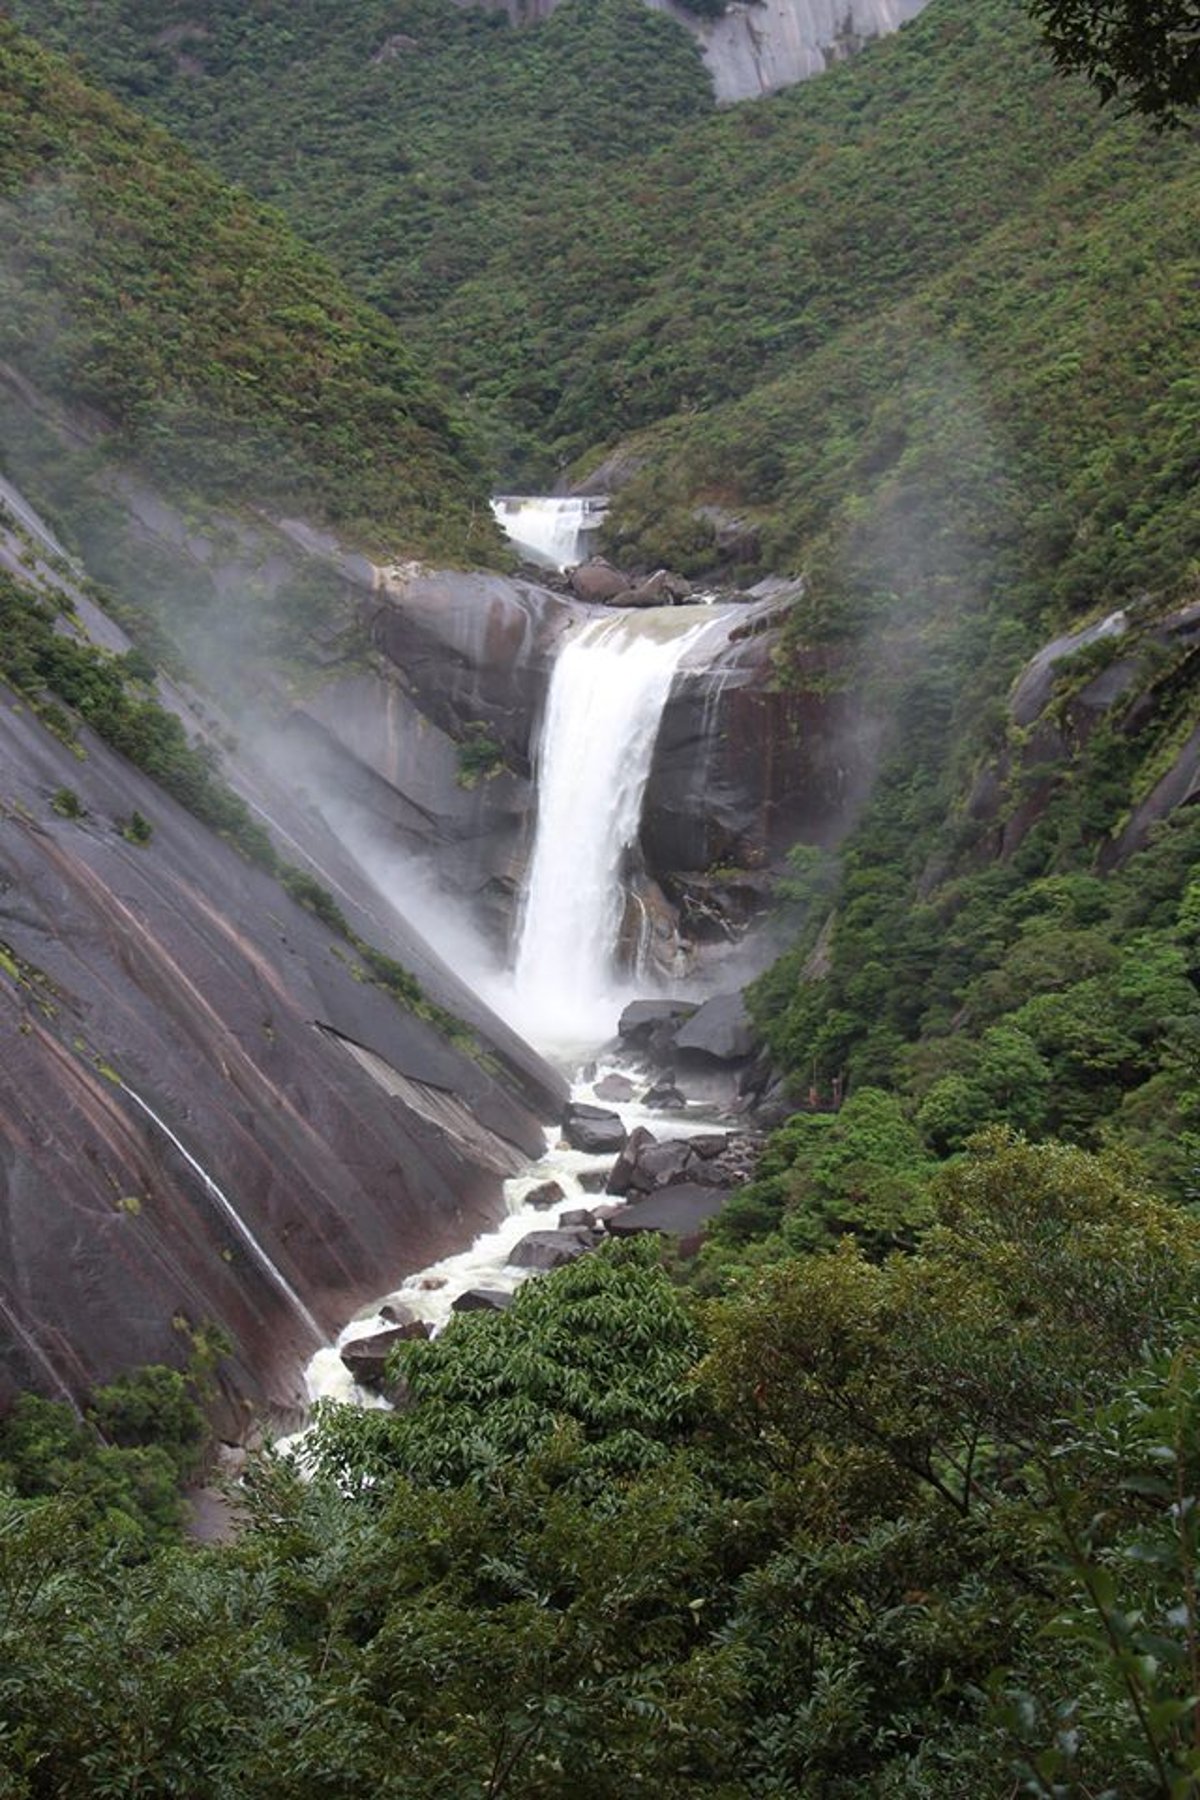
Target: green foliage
(316, 899)
(480, 757)
(137, 829)
(119, 1473)
(1144, 51)
(67, 804)
(602, 1352)
(1123, 1517)
(619, 1542)
(862, 1170)
(220, 353)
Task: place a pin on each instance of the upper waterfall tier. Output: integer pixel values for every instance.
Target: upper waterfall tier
(555, 533)
(610, 684)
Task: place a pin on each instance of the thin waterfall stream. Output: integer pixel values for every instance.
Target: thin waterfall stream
(226, 1206)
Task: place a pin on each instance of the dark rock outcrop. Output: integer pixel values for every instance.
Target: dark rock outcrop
(742, 770)
(593, 1129)
(1132, 672)
(482, 1300)
(721, 1028)
(543, 1250)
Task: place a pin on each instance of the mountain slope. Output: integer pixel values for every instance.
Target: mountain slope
(196, 335)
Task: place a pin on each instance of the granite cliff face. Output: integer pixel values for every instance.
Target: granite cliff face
(210, 1112)
(740, 770)
(1132, 675)
(758, 46)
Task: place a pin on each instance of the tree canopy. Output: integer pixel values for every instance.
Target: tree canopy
(1144, 51)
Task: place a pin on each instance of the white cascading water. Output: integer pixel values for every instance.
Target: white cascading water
(607, 692)
(556, 533)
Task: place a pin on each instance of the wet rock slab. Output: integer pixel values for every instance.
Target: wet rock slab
(680, 1211)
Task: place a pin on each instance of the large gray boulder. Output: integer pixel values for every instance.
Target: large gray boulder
(641, 1019)
(543, 1250)
(721, 1029)
(596, 581)
(593, 1129)
(680, 1211)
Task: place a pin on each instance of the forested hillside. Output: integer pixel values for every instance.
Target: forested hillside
(420, 145)
(183, 324)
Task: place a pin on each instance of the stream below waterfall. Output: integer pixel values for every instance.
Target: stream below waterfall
(569, 981)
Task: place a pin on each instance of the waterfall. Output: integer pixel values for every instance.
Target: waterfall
(556, 533)
(232, 1214)
(607, 692)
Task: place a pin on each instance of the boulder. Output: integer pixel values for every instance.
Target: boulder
(597, 581)
(665, 1097)
(721, 1028)
(711, 1159)
(660, 589)
(549, 1193)
(592, 1181)
(482, 1300)
(660, 1165)
(617, 1088)
(550, 1249)
(679, 1211)
(366, 1357)
(403, 1316)
(621, 1174)
(653, 1023)
(593, 1129)
(576, 1216)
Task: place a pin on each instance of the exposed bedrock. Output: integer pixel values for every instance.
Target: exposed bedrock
(1134, 674)
(434, 749)
(208, 1115)
(741, 772)
(434, 744)
(756, 48)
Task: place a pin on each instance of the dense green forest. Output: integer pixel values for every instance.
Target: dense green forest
(195, 334)
(892, 1489)
(923, 1527)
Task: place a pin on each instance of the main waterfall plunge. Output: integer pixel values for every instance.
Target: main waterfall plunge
(607, 692)
(610, 683)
